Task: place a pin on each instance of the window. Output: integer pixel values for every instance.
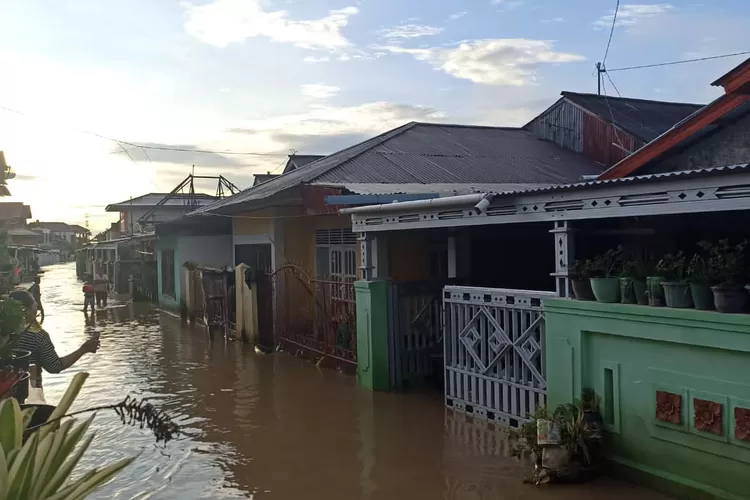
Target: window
(336, 258)
(167, 273)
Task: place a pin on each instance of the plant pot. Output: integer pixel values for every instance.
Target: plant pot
(606, 289)
(547, 432)
(677, 294)
(654, 291)
(730, 299)
(703, 297)
(582, 289)
(627, 290)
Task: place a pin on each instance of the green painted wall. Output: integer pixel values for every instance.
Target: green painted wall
(167, 243)
(372, 334)
(628, 353)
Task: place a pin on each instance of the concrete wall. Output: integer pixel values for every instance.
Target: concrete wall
(674, 385)
(728, 146)
(214, 251)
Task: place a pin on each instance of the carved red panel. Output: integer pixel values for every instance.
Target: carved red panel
(742, 424)
(707, 415)
(669, 407)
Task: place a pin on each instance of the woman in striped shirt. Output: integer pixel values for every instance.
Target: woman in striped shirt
(36, 340)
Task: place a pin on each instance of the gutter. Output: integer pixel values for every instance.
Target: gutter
(447, 202)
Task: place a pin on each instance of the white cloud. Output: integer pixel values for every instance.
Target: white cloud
(223, 22)
(321, 120)
(508, 61)
(508, 4)
(406, 31)
(555, 20)
(632, 14)
(313, 59)
(319, 90)
(457, 15)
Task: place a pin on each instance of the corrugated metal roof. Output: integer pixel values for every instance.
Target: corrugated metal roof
(423, 153)
(440, 189)
(152, 199)
(642, 118)
(703, 172)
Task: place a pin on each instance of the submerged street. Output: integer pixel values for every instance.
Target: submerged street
(270, 426)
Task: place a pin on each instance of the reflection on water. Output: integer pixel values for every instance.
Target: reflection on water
(270, 426)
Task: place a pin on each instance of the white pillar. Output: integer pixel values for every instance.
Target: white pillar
(365, 257)
(564, 242)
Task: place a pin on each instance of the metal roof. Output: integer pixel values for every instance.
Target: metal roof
(424, 153)
(644, 119)
(439, 189)
(702, 172)
(152, 199)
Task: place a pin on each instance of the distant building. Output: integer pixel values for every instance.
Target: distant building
(60, 232)
(293, 163)
(157, 207)
(14, 215)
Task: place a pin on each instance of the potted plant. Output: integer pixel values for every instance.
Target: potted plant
(564, 444)
(673, 268)
(701, 277)
(580, 280)
(605, 285)
(728, 263)
(633, 282)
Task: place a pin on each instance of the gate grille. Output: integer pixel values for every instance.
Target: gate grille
(494, 352)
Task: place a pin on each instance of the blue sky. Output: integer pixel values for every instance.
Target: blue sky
(267, 76)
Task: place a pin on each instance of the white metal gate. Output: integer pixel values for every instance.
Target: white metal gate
(494, 352)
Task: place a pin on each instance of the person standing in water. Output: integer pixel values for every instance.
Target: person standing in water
(36, 292)
(36, 340)
(88, 293)
(101, 288)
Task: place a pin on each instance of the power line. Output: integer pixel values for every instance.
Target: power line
(612, 115)
(613, 84)
(685, 61)
(611, 32)
(144, 147)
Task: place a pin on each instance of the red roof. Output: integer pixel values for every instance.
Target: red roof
(736, 85)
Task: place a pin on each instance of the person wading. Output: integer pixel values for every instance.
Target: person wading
(36, 291)
(101, 288)
(37, 340)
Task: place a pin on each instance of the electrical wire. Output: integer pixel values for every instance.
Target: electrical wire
(685, 61)
(145, 147)
(613, 84)
(612, 115)
(611, 32)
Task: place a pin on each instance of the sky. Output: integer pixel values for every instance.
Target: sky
(272, 76)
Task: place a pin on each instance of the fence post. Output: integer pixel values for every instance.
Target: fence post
(372, 334)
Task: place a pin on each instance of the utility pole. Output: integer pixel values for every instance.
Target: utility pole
(600, 70)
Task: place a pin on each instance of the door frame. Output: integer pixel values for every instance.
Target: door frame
(253, 239)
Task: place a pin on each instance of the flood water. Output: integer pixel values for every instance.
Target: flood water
(271, 426)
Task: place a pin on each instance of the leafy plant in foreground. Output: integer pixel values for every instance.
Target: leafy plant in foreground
(41, 466)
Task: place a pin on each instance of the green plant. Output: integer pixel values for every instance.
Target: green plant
(699, 270)
(725, 261)
(673, 267)
(606, 265)
(590, 400)
(582, 268)
(40, 462)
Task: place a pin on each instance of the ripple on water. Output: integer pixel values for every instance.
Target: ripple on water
(268, 427)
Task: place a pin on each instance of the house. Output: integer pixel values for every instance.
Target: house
(294, 162)
(606, 129)
(14, 215)
(674, 395)
(716, 135)
(24, 236)
(70, 234)
(291, 225)
(157, 208)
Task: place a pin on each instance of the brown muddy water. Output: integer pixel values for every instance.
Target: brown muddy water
(271, 426)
